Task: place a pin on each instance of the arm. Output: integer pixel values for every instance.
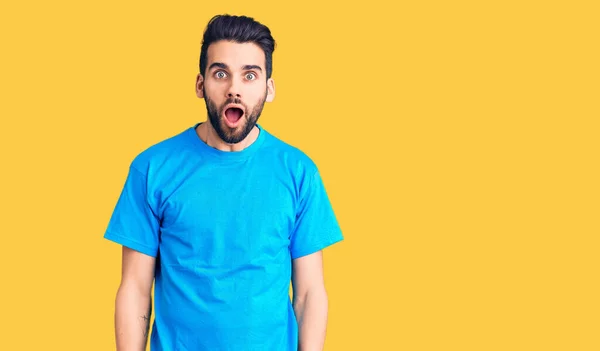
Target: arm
(133, 305)
(310, 301)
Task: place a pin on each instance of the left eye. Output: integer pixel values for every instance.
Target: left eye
(250, 76)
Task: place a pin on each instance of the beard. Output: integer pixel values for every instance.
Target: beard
(233, 135)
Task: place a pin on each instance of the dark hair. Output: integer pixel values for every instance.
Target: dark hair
(239, 29)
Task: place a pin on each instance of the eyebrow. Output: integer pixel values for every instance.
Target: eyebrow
(224, 66)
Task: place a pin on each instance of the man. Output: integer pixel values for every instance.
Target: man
(221, 216)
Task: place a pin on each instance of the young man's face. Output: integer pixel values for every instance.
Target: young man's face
(234, 88)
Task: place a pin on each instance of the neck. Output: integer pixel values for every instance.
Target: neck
(207, 133)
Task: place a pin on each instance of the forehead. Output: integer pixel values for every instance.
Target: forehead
(235, 55)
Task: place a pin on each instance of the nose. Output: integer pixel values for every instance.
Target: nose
(234, 89)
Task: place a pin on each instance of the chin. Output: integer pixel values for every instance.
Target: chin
(234, 135)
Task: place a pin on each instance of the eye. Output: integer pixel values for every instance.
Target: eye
(220, 74)
(250, 76)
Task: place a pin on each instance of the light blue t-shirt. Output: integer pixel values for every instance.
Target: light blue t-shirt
(224, 227)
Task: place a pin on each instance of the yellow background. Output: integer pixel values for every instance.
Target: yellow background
(458, 142)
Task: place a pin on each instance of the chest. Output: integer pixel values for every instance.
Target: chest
(227, 218)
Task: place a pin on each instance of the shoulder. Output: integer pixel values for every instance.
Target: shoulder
(155, 155)
(297, 161)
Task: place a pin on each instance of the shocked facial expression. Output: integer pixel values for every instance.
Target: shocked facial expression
(235, 88)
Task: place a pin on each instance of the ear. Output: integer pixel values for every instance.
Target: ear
(270, 90)
(199, 86)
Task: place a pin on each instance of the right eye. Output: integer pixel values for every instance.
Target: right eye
(220, 74)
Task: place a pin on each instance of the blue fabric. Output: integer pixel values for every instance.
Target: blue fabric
(224, 227)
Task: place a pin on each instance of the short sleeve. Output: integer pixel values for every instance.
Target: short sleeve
(133, 222)
(316, 225)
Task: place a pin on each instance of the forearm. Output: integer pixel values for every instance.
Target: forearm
(311, 315)
(132, 319)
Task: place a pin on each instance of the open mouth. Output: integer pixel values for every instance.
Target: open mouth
(233, 114)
